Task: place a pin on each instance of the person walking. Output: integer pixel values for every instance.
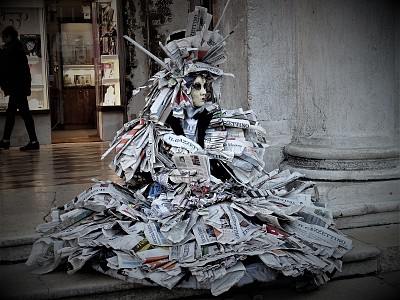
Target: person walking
(15, 81)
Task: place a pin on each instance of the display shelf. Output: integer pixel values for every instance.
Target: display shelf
(109, 69)
(78, 67)
(111, 95)
(109, 81)
(33, 60)
(108, 64)
(78, 75)
(109, 58)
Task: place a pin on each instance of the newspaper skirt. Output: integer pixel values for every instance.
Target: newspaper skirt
(175, 223)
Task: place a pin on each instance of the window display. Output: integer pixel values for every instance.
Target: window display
(79, 98)
(108, 69)
(75, 75)
(110, 80)
(77, 54)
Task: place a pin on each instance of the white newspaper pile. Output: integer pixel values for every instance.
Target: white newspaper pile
(207, 235)
(192, 216)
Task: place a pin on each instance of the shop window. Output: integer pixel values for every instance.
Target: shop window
(108, 68)
(29, 23)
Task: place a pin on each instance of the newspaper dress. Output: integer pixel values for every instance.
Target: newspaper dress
(174, 222)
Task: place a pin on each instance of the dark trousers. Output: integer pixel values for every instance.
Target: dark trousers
(19, 102)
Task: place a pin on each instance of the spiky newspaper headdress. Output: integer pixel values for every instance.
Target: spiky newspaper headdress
(191, 51)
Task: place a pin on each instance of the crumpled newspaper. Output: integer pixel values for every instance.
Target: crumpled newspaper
(192, 216)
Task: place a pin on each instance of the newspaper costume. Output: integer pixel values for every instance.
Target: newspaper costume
(176, 223)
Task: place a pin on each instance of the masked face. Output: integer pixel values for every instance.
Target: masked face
(198, 91)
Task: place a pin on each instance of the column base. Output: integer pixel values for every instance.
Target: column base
(360, 185)
(323, 163)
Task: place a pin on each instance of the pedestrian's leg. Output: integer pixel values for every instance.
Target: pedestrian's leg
(10, 118)
(29, 124)
(27, 117)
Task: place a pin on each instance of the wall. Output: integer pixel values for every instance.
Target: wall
(346, 54)
(322, 69)
(234, 89)
(272, 67)
(149, 22)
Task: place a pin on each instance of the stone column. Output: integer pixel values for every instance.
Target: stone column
(347, 129)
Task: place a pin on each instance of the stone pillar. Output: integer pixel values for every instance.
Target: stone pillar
(347, 129)
(272, 71)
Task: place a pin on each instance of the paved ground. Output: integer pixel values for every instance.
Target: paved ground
(33, 182)
(17, 283)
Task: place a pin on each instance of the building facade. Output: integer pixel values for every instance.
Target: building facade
(322, 77)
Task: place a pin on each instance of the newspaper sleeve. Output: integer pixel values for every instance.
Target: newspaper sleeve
(221, 155)
(43, 254)
(319, 234)
(238, 123)
(181, 142)
(196, 162)
(233, 275)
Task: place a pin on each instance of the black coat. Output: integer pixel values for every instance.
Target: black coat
(15, 75)
(203, 118)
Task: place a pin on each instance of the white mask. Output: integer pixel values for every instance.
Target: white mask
(198, 91)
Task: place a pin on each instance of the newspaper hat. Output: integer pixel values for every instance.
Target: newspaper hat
(195, 44)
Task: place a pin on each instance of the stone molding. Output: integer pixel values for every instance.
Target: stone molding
(342, 165)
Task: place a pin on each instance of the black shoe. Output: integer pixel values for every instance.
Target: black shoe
(4, 144)
(30, 146)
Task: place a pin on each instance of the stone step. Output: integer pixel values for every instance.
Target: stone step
(16, 249)
(361, 260)
(19, 284)
(379, 252)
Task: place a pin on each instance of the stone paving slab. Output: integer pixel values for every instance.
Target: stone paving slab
(18, 283)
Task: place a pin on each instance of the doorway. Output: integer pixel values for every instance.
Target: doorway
(72, 90)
